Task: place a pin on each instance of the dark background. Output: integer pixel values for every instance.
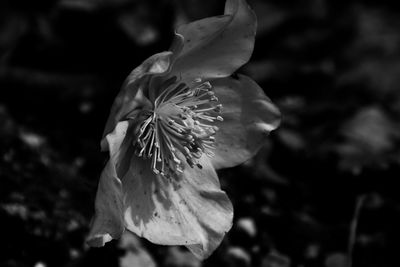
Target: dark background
(332, 67)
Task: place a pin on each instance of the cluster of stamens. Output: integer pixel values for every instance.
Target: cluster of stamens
(179, 127)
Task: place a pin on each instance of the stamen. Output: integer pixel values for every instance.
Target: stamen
(181, 124)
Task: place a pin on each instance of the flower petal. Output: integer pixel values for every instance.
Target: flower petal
(132, 95)
(217, 46)
(249, 115)
(189, 209)
(108, 221)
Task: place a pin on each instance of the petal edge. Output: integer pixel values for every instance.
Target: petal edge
(249, 116)
(215, 47)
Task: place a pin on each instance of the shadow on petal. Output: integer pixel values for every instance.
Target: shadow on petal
(188, 209)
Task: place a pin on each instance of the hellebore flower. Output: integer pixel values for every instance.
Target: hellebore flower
(177, 119)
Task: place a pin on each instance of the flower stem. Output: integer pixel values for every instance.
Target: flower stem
(353, 228)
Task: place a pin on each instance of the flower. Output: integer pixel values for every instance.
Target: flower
(177, 119)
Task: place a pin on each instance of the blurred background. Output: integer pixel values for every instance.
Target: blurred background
(322, 192)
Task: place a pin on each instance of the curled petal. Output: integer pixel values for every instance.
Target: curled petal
(108, 221)
(249, 115)
(215, 47)
(189, 209)
(133, 95)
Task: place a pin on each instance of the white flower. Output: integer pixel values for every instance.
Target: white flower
(178, 118)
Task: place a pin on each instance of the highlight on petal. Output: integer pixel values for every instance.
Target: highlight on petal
(217, 46)
(108, 221)
(249, 115)
(189, 209)
(132, 95)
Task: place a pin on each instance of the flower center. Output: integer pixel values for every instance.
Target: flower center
(180, 124)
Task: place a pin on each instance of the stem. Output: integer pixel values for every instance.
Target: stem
(353, 228)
